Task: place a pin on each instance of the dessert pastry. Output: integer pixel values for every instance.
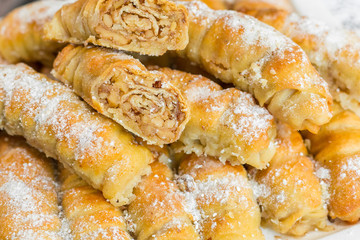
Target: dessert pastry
(259, 5)
(28, 199)
(120, 87)
(54, 120)
(214, 4)
(149, 27)
(226, 207)
(225, 123)
(288, 192)
(88, 213)
(21, 33)
(334, 52)
(158, 210)
(337, 151)
(254, 57)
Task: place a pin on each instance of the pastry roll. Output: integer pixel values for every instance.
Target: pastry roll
(288, 191)
(21, 33)
(226, 207)
(120, 87)
(225, 123)
(158, 210)
(337, 150)
(149, 27)
(259, 5)
(88, 213)
(254, 57)
(53, 119)
(334, 52)
(28, 199)
(214, 4)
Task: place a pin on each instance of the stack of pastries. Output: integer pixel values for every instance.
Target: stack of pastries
(108, 132)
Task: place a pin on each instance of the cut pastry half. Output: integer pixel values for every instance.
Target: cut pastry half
(148, 26)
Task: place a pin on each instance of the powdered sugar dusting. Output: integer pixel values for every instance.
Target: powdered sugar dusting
(51, 98)
(205, 96)
(246, 118)
(228, 190)
(54, 119)
(37, 13)
(328, 47)
(218, 190)
(352, 164)
(323, 174)
(26, 200)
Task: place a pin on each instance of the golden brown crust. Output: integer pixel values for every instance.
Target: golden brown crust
(334, 52)
(239, 49)
(225, 123)
(158, 210)
(337, 150)
(21, 33)
(89, 215)
(288, 191)
(120, 87)
(224, 200)
(214, 4)
(53, 119)
(149, 27)
(28, 200)
(259, 5)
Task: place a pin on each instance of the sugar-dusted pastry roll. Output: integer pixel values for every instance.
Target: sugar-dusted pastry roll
(28, 199)
(254, 57)
(159, 210)
(337, 151)
(120, 87)
(334, 52)
(53, 119)
(226, 207)
(288, 191)
(149, 27)
(225, 123)
(21, 33)
(88, 213)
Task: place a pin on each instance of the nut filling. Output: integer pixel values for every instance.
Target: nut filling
(144, 101)
(140, 21)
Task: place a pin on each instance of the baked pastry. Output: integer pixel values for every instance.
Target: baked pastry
(214, 4)
(28, 199)
(149, 27)
(334, 52)
(225, 123)
(53, 119)
(225, 204)
(288, 192)
(254, 57)
(88, 213)
(21, 33)
(336, 149)
(158, 210)
(120, 87)
(259, 5)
